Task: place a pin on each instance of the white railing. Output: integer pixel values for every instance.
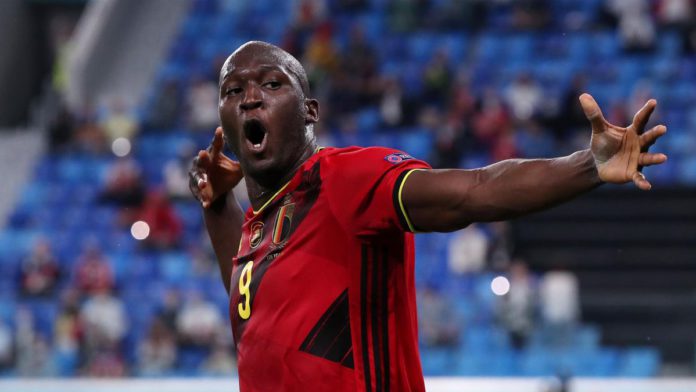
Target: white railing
(443, 384)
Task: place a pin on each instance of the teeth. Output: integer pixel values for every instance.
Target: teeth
(258, 145)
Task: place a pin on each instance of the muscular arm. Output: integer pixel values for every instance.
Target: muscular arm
(450, 199)
(447, 200)
(223, 220)
(212, 178)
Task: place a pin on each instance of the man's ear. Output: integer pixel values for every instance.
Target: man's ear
(312, 115)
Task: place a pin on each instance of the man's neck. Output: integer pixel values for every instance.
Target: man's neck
(260, 194)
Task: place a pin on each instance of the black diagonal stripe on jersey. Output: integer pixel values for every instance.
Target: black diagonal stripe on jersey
(348, 359)
(330, 338)
(385, 317)
(376, 269)
(396, 202)
(364, 265)
(305, 195)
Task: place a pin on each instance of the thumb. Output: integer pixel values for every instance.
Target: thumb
(592, 112)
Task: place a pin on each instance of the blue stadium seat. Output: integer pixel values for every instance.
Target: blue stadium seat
(438, 361)
(175, 267)
(640, 362)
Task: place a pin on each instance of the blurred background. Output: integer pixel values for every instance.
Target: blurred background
(105, 267)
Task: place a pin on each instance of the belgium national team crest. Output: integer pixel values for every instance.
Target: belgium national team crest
(256, 234)
(283, 223)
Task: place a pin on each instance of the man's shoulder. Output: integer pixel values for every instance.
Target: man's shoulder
(363, 155)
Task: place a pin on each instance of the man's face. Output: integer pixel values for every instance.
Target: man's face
(263, 114)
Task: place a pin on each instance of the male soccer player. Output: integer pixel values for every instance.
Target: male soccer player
(320, 268)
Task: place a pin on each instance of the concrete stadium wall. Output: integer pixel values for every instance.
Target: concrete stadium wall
(19, 67)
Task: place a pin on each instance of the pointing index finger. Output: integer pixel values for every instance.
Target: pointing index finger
(217, 143)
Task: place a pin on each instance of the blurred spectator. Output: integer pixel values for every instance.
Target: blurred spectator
(175, 173)
(467, 250)
(437, 78)
(391, 107)
(198, 321)
(90, 138)
(157, 352)
(203, 260)
(462, 102)
(679, 16)
(33, 350)
(491, 123)
(169, 309)
(321, 58)
(124, 185)
(108, 362)
(105, 322)
(530, 14)
(60, 130)
(202, 105)
(500, 247)
(357, 83)
(308, 13)
(437, 324)
(40, 270)
(167, 106)
(221, 361)
(35, 360)
(6, 346)
(165, 225)
(675, 14)
(406, 15)
(450, 142)
(524, 97)
(571, 118)
(119, 121)
(516, 308)
(560, 306)
(636, 27)
(68, 332)
(93, 273)
(456, 14)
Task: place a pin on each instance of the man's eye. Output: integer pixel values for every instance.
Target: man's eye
(273, 85)
(233, 90)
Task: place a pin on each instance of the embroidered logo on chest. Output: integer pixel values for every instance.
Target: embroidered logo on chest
(283, 223)
(256, 235)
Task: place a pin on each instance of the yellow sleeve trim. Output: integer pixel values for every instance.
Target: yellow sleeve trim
(401, 203)
(270, 199)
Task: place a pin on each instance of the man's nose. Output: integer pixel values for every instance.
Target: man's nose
(252, 98)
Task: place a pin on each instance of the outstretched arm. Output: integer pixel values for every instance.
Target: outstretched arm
(212, 178)
(447, 200)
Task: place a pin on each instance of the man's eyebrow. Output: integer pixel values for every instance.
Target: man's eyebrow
(264, 67)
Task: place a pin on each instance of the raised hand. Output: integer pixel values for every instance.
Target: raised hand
(213, 174)
(621, 152)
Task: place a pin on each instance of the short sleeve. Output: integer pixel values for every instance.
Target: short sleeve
(364, 188)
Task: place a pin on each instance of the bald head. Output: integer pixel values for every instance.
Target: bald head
(273, 54)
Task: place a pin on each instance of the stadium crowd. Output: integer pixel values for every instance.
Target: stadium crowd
(91, 330)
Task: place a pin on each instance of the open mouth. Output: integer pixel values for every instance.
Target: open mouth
(255, 133)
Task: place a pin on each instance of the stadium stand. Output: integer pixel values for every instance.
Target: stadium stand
(466, 71)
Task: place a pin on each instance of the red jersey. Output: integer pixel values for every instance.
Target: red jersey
(323, 290)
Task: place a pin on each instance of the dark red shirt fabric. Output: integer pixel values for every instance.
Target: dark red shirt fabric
(323, 291)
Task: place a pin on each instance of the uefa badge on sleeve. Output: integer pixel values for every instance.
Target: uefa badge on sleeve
(397, 157)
